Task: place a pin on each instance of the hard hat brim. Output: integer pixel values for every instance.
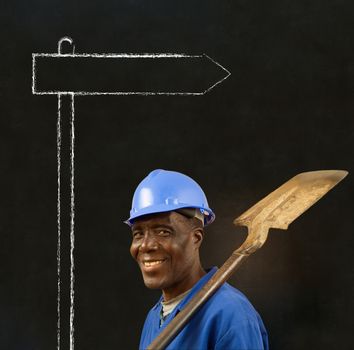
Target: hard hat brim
(163, 208)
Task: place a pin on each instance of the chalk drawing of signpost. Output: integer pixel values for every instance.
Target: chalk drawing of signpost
(70, 74)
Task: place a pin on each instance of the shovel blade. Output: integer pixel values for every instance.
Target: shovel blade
(282, 206)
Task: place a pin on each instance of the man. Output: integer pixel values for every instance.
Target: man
(169, 212)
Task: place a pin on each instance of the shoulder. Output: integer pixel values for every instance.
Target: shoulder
(151, 326)
(241, 327)
(155, 310)
(229, 302)
(229, 321)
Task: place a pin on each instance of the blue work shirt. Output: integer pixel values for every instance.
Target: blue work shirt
(226, 321)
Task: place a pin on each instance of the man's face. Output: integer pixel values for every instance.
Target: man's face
(166, 247)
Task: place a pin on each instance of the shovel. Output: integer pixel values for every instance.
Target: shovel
(278, 210)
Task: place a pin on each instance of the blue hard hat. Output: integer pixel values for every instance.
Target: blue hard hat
(163, 191)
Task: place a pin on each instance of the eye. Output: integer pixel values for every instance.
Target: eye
(137, 234)
(163, 232)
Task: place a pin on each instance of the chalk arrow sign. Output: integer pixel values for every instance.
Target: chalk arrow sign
(68, 75)
(125, 74)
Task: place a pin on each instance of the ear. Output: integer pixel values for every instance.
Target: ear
(197, 236)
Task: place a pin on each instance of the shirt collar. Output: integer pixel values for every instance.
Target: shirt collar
(195, 289)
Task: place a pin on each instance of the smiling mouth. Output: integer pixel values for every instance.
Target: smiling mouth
(152, 263)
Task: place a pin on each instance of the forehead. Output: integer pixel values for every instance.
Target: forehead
(170, 218)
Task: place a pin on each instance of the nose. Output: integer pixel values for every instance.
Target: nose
(149, 243)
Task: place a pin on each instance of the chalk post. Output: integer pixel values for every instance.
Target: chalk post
(68, 74)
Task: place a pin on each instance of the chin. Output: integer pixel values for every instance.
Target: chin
(153, 283)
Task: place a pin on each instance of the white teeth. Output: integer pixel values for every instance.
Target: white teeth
(152, 263)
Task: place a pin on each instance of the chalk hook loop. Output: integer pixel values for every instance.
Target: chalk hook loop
(68, 40)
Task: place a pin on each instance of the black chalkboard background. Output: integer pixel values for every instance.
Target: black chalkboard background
(287, 107)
